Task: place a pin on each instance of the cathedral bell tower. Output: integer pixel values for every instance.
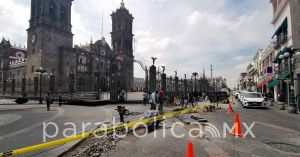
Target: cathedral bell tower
(121, 40)
(49, 36)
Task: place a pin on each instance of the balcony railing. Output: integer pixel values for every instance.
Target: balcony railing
(281, 39)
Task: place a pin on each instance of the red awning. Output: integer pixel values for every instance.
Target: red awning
(263, 82)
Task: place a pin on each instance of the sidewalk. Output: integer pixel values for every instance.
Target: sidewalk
(22, 107)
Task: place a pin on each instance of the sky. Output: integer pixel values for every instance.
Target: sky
(185, 35)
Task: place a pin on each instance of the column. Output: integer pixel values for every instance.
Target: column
(185, 85)
(114, 83)
(164, 81)
(23, 87)
(146, 79)
(152, 80)
(176, 85)
(36, 85)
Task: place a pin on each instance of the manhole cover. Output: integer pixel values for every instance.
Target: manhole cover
(286, 147)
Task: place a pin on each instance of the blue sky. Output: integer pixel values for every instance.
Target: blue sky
(185, 35)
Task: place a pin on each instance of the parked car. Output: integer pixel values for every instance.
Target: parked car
(241, 95)
(253, 99)
(236, 94)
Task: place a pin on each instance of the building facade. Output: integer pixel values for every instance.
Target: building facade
(286, 42)
(51, 63)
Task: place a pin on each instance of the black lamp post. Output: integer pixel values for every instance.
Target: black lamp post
(195, 74)
(40, 71)
(288, 54)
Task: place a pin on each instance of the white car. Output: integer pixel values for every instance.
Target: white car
(236, 94)
(241, 95)
(253, 99)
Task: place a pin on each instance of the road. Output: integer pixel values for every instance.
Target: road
(22, 125)
(270, 125)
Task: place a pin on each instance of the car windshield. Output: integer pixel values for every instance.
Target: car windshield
(253, 95)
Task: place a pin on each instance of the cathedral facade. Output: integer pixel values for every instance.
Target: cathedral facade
(52, 63)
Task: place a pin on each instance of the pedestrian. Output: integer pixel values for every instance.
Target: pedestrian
(59, 100)
(191, 99)
(182, 99)
(145, 98)
(161, 97)
(48, 101)
(121, 110)
(153, 100)
(122, 96)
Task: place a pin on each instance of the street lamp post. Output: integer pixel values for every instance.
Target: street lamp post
(40, 71)
(288, 54)
(195, 74)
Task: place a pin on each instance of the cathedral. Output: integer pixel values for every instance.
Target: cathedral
(52, 63)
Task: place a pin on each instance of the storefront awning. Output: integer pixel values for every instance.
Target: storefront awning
(282, 28)
(283, 75)
(263, 82)
(273, 83)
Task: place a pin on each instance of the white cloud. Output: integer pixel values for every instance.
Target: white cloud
(13, 18)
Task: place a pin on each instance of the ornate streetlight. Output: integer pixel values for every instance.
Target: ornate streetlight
(195, 74)
(40, 71)
(288, 55)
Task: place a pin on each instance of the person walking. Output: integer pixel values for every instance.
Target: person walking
(191, 99)
(161, 97)
(145, 98)
(182, 99)
(153, 100)
(59, 100)
(48, 101)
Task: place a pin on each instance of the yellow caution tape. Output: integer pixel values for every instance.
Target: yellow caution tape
(97, 132)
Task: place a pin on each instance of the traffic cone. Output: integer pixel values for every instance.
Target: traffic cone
(190, 150)
(237, 131)
(229, 109)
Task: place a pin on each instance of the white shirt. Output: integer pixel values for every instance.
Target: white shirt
(153, 98)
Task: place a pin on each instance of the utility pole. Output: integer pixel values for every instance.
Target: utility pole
(211, 71)
(102, 25)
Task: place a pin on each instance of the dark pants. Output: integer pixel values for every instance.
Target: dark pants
(122, 118)
(182, 102)
(192, 102)
(153, 106)
(160, 108)
(48, 106)
(145, 101)
(59, 101)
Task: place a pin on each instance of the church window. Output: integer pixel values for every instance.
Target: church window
(33, 10)
(40, 8)
(102, 52)
(115, 44)
(63, 13)
(52, 10)
(120, 43)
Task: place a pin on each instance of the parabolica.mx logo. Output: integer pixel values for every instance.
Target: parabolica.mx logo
(51, 130)
(212, 130)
